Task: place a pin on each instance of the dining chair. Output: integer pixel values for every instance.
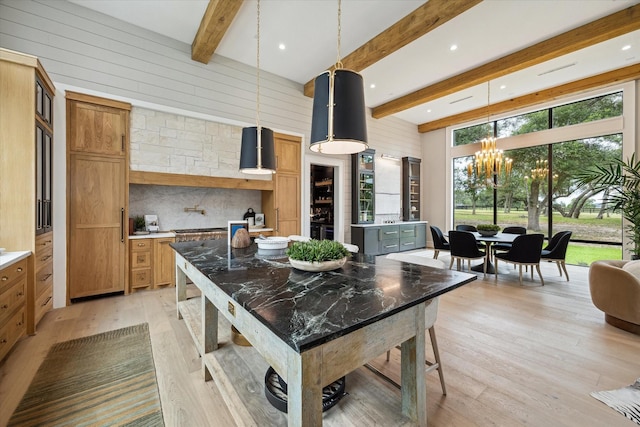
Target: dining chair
(464, 246)
(430, 316)
(556, 251)
(509, 230)
(440, 243)
(525, 250)
(465, 227)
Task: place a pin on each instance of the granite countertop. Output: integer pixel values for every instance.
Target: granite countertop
(308, 309)
(389, 223)
(8, 258)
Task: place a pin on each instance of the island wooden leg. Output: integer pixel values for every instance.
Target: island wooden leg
(209, 332)
(414, 389)
(181, 287)
(304, 391)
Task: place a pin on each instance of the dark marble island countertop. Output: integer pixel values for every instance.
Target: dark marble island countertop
(308, 309)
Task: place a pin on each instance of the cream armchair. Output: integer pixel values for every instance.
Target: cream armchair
(615, 289)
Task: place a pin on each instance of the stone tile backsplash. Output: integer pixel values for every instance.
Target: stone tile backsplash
(168, 202)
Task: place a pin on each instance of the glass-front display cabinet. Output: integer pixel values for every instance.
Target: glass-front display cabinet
(363, 183)
(410, 189)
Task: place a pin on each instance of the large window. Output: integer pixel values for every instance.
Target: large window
(541, 192)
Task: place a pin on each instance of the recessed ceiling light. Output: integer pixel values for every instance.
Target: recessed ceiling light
(503, 86)
(626, 47)
(282, 46)
(453, 47)
(372, 85)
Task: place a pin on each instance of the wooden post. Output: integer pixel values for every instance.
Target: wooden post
(414, 391)
(181, 284)
(304, 389)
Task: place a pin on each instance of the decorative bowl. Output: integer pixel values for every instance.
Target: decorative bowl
(488, 233)
(274, 242)
(318, 266)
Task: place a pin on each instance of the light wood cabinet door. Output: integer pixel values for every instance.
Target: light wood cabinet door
(287, 202)
(163, 262)
(287, 150)
(97, 246)
(97, 129)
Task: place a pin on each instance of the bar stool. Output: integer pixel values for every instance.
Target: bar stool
(430, 316)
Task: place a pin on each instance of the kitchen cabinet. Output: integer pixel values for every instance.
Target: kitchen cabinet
(97, 195)
(164, 262)
(152, 263)
(13, 303)
(26, 146)
(386, 238)
(281, 206)
(411, 208)
(44, 275)
(363, 187)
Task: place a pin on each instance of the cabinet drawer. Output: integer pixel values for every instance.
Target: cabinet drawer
(141, 245)
(388, 246)
(141, 259)
(389, 233)
(44, 303)
(11, 331)
(407, 231)
(10, 274)
(43, 242)
(43, 255)
(13, 298)
(141, 278)
(407, 243)
(44, 278)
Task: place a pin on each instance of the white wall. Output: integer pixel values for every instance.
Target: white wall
(88, 52)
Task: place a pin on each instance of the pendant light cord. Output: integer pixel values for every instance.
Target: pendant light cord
(339, 59)
(258, 72)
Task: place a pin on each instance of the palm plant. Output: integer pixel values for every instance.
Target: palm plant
(620, 182)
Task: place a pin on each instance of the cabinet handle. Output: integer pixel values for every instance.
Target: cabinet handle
(390, 232)
(391, 246)
(19, 270)
(45, 258)
(44, 279)
(141, 244)
(409, 244)
(19, 294)
(5, 278)
(407, 231)
(45, 243)
(20, 323)
(277, 217)
(4, 306)
(122, 218)
(46, 302)
(3, 341)
(122, 142)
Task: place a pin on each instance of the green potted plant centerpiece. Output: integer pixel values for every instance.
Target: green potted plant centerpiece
(488, 229)
(620, 183)
(317, 255)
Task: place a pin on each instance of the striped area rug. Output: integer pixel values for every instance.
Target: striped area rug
(624, 400)
(107, 379)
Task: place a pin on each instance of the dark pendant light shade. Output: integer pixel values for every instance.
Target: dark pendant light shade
(257, 155)
(339, 124)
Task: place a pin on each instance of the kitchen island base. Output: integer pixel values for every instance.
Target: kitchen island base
(239, 371)
(239, 376)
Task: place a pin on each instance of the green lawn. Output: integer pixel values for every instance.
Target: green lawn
(587, 227)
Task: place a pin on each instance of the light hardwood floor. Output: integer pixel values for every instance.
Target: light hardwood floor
(512, 355)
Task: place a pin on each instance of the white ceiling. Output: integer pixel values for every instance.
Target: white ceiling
(308, 29)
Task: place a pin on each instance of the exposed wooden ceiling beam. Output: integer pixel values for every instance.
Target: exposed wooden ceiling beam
(425, 18)
(621, 75)
(603, 29)
(216, 21)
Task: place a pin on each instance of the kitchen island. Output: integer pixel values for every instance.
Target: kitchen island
(312, 328)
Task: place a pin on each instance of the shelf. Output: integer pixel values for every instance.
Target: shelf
(323, 202)
(324, 184)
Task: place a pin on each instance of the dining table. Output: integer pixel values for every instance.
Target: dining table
(489, 240)
(312, 328)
